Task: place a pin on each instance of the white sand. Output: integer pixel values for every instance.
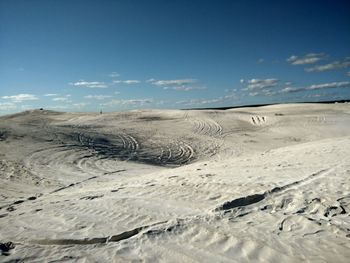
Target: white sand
(266, 184)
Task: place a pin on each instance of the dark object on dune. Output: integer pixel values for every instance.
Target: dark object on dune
(41, 109)
(242, 201)
(3, 135)
(6, 247)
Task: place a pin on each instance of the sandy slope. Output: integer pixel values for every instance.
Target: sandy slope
(267, 184)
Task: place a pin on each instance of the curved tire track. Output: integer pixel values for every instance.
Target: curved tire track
(87, 152)
(207, 127)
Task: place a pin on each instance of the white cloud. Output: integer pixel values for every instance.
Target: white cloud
(209, 101)
(260, 60)
(21, 97)
(184, 88)
(60, 99)
(310, 58)
(291, 90)
(176, 84)
(130, 81)
(348, 74)
(254, 84)
(114, 75)
(264, 92)
(241, 80)
(270, 93)
(344, 84)
(63, 98)
(171, 82)
(330, 66)
(130, 102)
(50, 95)
(89, 84)
(97, 97)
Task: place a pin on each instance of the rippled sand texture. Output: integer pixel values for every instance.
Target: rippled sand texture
(263, 184)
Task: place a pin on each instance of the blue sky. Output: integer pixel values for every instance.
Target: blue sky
(72, 55)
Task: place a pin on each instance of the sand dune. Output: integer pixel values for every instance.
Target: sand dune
(258, 184)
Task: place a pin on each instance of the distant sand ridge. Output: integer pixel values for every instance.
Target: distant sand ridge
(254, 184)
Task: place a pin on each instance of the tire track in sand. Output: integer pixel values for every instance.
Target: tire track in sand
(205, 126)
